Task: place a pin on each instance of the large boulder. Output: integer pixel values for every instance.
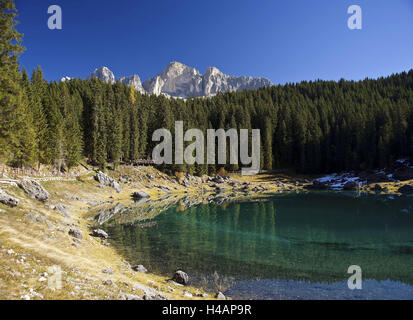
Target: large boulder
(99, 233)
(7, 199)
(406, 189)
(34, 189)
(105, 180)
(181, 277)
(140, 195)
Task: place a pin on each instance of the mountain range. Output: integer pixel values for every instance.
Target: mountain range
(181, 81)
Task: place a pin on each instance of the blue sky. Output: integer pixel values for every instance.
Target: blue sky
(285, 41)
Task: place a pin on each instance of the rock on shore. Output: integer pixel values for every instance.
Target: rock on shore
(8, 200)
(34, 189)
(99, 233)
(105, 215)
(181, 277)
(105, 180)
(140, 195)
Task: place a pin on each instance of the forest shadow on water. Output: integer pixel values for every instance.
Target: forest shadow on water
(290, 245)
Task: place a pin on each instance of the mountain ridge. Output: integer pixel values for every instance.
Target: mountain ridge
(181, 81)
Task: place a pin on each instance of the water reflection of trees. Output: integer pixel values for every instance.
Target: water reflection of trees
(293, 237)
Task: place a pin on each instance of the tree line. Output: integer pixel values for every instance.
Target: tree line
(310, 127)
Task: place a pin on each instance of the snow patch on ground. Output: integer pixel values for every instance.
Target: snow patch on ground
(402, 161)
(337, 181)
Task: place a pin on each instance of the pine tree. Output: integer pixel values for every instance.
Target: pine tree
(17, 136)
(73, 142)
(54, 152)
(99, 154)
(267, 144)
(38, 116)
(114, 130)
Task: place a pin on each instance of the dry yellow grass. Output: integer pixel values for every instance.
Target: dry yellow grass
(82, 265)
(392, 187)
(48, 244)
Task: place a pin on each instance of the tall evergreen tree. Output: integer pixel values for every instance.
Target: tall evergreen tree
(17, 136)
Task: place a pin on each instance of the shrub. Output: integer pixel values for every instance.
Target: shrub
(222, 172)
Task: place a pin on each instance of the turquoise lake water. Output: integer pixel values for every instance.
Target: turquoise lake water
(287, 246)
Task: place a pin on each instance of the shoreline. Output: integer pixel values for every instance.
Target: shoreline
(35, 235)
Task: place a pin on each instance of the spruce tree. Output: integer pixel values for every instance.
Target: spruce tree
(17, 136)
(54, 152)
(99, 153)
(38, 115)
(73, 142)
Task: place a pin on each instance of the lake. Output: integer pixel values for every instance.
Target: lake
(286, 246)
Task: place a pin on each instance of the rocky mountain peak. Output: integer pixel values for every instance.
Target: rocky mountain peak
(177, 80)
(103, 74)
(212, 71)
(134, 81)
(176, 68)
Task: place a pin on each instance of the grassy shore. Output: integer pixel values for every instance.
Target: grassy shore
(28, 248)
(35, 236)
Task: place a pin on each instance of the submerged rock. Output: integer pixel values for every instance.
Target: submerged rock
(8, 200)
(34, 189)
(181, 277)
